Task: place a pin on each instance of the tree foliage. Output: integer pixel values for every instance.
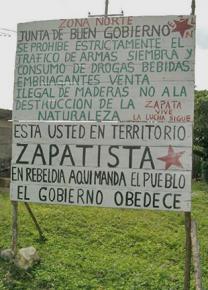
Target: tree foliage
(201, 123)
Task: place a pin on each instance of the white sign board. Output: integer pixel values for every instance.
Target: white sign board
(116, 198)
(106, 69)
(114, 159)
(104, 133)
(79, 85)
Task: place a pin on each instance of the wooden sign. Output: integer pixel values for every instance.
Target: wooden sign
(100, 197)
(105, 177)
(103, 112)
(104, 133)
(112, 156)
(113, 159)
(119, 69)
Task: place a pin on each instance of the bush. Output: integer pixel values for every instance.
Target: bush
(205, 170)
(197, 167)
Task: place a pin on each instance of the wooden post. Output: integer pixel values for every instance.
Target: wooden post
(193, 7)
(187, 270)
(106, 8)
(14, 226)
(106, 14)
(42, 237)
(196, 257)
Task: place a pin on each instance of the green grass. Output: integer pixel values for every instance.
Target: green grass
(93, 248)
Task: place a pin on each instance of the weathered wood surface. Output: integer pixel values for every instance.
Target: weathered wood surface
(187, 269)
(105, 133)
(196, 256)
(115, 156)
(101, 198)
(88, 177)
(124, 62)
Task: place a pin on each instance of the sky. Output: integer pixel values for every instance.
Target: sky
(13, 12)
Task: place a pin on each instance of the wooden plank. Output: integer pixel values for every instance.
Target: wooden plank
(140, 73)
(14, 244)
(129, 179)
(153, 134)
(118, 64)
(41, 235)
(101, 23)
(112, 156)
(103, 115)
(100, 198)
(137, 85)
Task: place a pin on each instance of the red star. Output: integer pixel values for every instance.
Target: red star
(181, 26)
(172, 158)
